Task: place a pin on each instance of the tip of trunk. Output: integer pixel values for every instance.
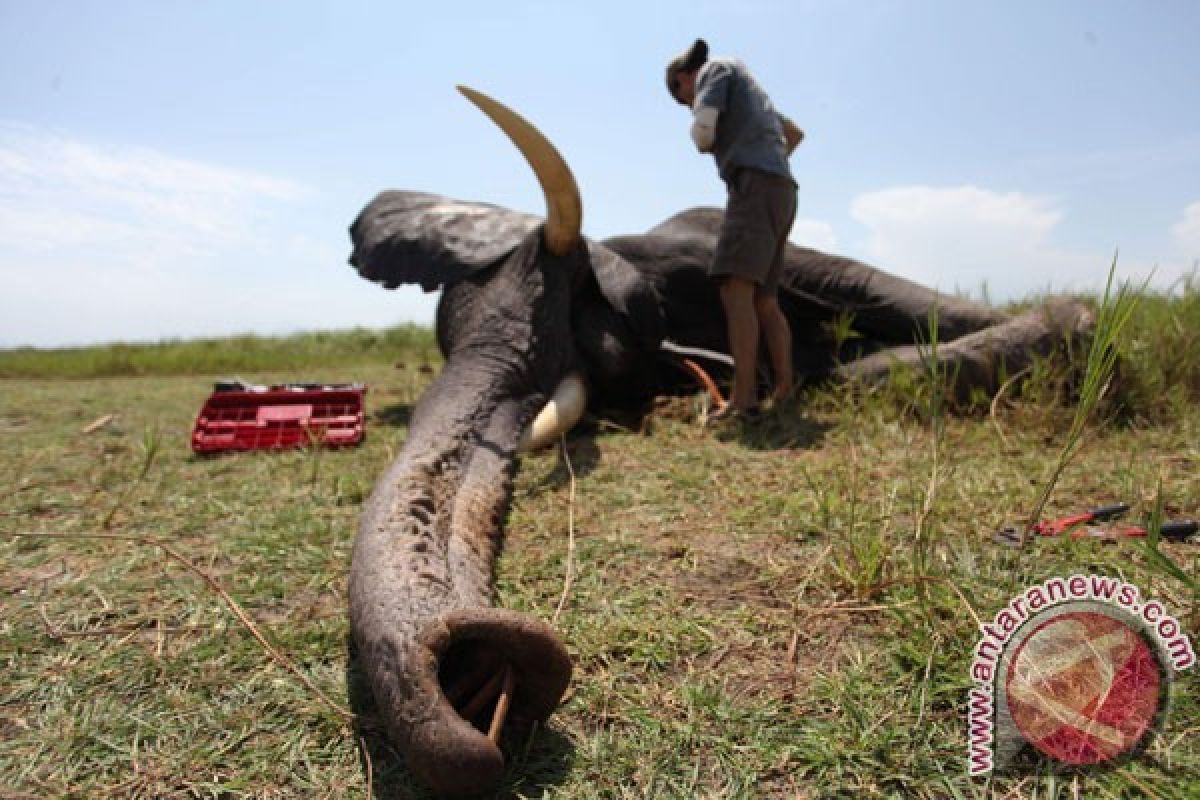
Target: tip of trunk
(457, 689)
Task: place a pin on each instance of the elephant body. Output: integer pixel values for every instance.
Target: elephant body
(815, 290)
(638, 291)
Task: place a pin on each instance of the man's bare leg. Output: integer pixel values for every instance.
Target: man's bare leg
(737, 296)
(779, 342)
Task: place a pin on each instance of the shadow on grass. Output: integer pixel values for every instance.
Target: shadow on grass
(786, 428)
(531, 766)
(584, 455)
(397, 415)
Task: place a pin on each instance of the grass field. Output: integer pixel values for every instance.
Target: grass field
(784, 609)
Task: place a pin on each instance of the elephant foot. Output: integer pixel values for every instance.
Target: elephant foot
(479, 671)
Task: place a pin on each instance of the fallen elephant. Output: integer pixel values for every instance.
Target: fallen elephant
(527, 307)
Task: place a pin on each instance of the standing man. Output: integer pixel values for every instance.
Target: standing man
(735, 121)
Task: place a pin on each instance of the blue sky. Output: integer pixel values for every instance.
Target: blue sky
(178, 169)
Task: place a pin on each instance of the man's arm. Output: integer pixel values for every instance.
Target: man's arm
(792, 135)
(704, 128)
(712, 96)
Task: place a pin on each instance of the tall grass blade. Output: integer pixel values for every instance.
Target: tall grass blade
(1112, 319)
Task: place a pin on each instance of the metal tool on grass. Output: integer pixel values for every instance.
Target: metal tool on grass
(1080, 526)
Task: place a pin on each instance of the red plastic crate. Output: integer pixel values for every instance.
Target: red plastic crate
(241, 417)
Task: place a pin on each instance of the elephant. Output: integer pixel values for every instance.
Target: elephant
(534, 316)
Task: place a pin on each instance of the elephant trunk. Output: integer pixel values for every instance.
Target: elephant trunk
(436, 656)
(420, 589)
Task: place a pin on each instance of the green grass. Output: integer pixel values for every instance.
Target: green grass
(779, 610)
(302, 351)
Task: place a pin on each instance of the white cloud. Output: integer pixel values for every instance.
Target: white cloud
(106, 243)
(963, 205)
(964, 238)
(55, 192)
(815, 234)
(1187, 231)
(189, 304)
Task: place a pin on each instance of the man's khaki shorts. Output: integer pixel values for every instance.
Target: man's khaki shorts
(758, 218)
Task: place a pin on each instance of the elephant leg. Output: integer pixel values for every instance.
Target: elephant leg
(976, 361)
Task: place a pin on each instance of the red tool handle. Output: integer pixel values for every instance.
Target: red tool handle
(1056, 526)
(1172, 531)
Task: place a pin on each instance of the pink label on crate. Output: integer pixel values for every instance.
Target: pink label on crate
(284, 413)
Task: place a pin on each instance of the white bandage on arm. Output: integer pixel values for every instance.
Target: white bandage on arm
(704, 128)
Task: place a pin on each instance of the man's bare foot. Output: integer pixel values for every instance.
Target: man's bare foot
(731, 411)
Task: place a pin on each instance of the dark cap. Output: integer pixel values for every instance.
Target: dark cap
(689, 60)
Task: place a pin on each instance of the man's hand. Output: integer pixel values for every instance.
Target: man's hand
(792, 136)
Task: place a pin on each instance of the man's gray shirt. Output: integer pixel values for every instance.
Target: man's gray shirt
(749, 130)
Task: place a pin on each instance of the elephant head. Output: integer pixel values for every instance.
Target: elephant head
(436, 655)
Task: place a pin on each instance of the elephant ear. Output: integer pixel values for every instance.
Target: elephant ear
(415, 237)
(630, 294)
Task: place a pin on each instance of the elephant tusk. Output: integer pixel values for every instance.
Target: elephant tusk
(559, 414)
(564, 208)
(696, 352)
